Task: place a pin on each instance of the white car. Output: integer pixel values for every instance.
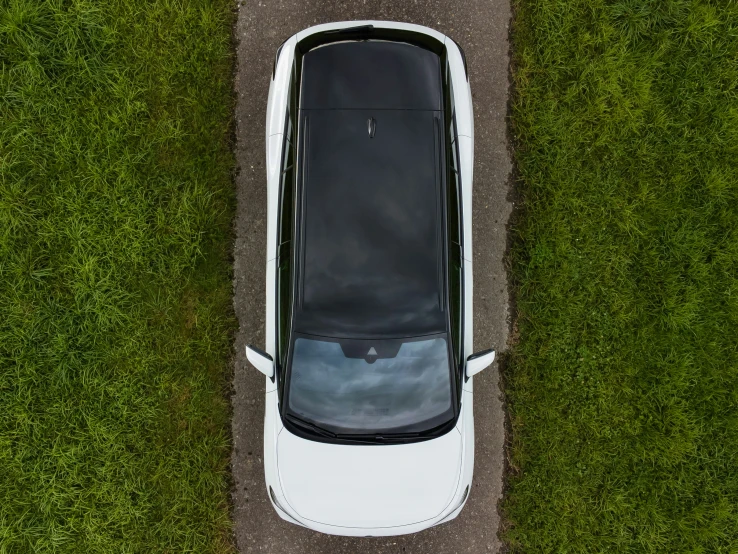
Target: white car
(369, 428)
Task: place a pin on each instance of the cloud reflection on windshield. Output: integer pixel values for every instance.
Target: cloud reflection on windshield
(351, 395)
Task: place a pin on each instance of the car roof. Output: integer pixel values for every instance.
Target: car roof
(370, 256)
(371, 74)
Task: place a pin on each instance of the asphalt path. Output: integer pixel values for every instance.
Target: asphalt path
(481, 28)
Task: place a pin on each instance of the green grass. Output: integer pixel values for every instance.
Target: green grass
(115, 290)
(623, 385)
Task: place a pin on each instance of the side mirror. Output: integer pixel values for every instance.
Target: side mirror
(477, 362)
(260, 360)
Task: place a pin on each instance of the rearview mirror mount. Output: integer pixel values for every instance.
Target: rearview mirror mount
(477, 362)
(260, 360)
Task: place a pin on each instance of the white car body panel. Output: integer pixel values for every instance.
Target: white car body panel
(271, 275)
(348, 489)
(274, 158)
(407, 483)
(466, 155)
(380, 24)
(279, 89)
(462, 92)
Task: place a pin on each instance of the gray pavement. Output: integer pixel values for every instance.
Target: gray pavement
(481, 27)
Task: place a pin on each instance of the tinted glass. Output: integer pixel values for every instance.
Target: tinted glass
(284, 292)
(455, 275)
(455, 271)
(371, 223)
(405, 388)
(454, 229)
(373, 75)
(284, 243)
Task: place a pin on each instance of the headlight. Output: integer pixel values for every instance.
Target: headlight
(276, 502)
(463, 499)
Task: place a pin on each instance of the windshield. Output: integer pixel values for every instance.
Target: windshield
(371, 386)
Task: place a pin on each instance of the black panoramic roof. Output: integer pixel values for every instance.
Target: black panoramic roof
(375, 75)
(371, 255)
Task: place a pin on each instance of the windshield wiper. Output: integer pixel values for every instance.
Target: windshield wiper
(307, 425)
(396, 436)
(380, 438)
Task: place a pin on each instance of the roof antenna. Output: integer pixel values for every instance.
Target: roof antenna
(371, 126)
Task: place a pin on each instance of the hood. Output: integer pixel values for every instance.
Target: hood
(369, 486)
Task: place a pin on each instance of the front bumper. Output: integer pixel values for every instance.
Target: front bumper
(444, 517)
